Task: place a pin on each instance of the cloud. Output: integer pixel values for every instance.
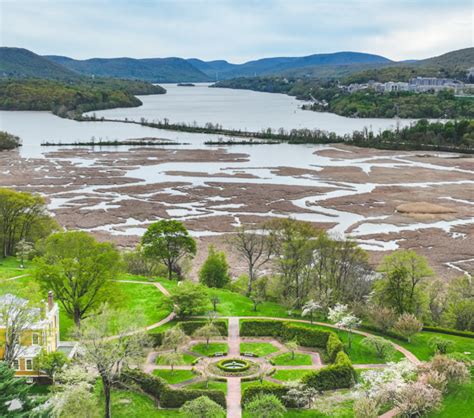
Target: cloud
(236, 30)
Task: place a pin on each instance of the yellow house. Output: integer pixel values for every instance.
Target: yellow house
(41, 334)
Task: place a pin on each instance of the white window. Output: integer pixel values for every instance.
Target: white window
(29, 364)
(35, 339)
(16, 364)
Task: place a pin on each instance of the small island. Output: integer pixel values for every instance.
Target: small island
(9, 141)
(186, 85)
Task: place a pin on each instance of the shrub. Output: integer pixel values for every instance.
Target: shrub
(265, 406)
(434, 379)
(365, 407)
(150, 384)
(440, 345)
(156, 338)
(416, 399)
(408, 325)
(202, 407)
(9, 141)
(380, 346)
(339, 375)
(175, 398)
(333, 346)
(261, 328)
(190, 299)
(190, 327)
(250, 392)
(463, 358)
(455, 371)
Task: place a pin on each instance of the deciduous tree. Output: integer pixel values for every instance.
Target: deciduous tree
(79, 270)
(168, 241)
(408, 325)
(215, 270)
(202, 407)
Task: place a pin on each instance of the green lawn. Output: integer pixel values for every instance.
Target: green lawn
(187, 359)
(235, 304)
(214, 385)
(458, 401)
(176, 376)
(10, 267)
(209, 350)
(286, 375)
(286, 360)
(258, 349)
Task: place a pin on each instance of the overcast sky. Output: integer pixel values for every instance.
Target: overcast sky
(236, 30)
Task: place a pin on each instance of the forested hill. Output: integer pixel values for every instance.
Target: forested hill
(20, 63)
(274, 65)
(155, 70)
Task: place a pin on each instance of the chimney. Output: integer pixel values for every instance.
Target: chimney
(50, 300)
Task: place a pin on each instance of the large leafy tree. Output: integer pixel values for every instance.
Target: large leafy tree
(168, 241)
(79, 270)
(23, 216)
(189, 299)
(403, 273)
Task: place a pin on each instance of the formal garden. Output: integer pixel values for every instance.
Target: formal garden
(320, 334)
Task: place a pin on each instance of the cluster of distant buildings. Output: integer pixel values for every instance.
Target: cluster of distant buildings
(415, 85)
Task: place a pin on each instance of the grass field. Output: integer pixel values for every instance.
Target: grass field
(286, 375)
(214, 385)
(10, 267)
(209, 350)
(187, 359)
(258, 349)
(286, 360)
(176, 376)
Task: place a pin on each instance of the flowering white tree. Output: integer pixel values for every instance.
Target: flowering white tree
(303, 396)
(344, 319)
(309, 309)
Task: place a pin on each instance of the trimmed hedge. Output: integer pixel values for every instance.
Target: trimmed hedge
(339, 375)
(189, 327)
(148, 383)
(449, 331)
(251, 392)
(261, 328)
(306, 337)
(175, 398)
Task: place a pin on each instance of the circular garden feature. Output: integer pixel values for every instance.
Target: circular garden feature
(233, 365)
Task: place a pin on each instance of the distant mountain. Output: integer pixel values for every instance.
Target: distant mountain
(462, 58)
(19, 62)
(268, 66)
(157, 70)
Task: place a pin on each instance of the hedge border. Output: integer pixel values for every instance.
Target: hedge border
(245, 365)
(449, 331)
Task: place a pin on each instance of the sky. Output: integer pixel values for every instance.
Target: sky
(236, 30)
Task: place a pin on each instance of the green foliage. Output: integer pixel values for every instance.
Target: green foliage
(175, 398)
(215, 270)
(380, 346)
(449, 331)
(408, 325)
(265, 406)
(189, 327)
(148, 383)
(12, 388)
(403, 274)
(168, 241)
(441, 345)
(333, 346)
(202, 407)
(23, 216)
(51, 363)
(190, 299)
(292, 359)
(260, 328)
(174, 338)
(339, 375)
(9, 141)
(306, 336)
(79, 270)
(207, 332)
(71, 99)
(254, 390)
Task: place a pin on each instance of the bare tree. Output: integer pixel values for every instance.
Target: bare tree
(17, 316)
(110, 342)
(255, 246)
